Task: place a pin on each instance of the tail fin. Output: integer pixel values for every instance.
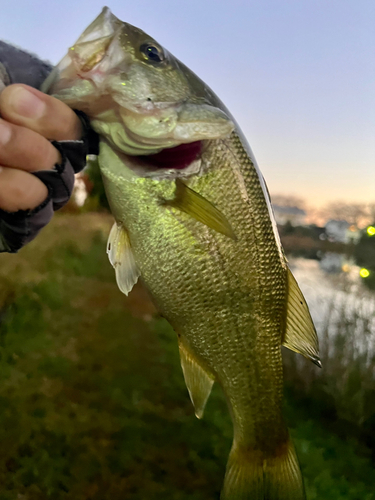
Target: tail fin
(250, 477)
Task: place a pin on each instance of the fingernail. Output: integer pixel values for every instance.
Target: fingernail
(26, 104)
(5, 133)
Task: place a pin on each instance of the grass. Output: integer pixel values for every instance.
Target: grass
(93, 405)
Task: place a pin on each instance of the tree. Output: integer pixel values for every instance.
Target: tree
(371, 212)
(353, 213)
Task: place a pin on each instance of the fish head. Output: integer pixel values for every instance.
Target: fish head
(140, 98)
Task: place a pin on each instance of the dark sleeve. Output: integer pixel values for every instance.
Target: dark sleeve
(18, 228)
(18, 66)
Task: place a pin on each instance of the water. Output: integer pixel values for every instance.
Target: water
(340, 304)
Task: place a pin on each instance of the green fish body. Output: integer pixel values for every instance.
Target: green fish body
(201, 236)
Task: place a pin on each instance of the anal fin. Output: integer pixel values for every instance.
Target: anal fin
(121, 257)
(198, 380)
(300, 334)
(200, 209)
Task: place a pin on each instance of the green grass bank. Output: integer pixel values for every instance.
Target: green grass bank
(93, 405)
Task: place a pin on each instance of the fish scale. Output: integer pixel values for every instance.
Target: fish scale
(193, 304)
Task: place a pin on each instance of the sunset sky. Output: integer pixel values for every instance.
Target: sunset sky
(299, 76)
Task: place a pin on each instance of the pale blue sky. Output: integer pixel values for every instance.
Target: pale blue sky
(298, 75)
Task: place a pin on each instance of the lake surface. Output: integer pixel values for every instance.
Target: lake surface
(339, 302)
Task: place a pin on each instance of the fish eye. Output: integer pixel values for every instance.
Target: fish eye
(152, 53)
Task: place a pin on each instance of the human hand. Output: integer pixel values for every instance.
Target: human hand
(29, 121)
(36, 175)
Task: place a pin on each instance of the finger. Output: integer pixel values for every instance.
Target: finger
(28, 107)
(25, 149)
(20, 190)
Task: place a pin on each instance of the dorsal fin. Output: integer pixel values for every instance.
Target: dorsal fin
(198, 380)
(121, 257)
(200, 209)
(300, 334)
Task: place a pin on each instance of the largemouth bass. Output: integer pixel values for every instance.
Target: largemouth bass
(194, 220)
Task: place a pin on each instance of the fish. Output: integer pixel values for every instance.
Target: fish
(193, 220)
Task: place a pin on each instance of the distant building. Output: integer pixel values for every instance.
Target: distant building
(294, 215)
(342, 232)
(353, 234)
(336, 230)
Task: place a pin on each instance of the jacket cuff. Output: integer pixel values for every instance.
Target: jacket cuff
(18, 228)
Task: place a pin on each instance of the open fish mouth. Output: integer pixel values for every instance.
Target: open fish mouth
(177, 158)
(180, 161)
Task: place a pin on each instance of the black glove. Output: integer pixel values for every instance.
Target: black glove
(18, 228)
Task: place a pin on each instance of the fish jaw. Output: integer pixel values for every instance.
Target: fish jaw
(80, 75)
(138, 106)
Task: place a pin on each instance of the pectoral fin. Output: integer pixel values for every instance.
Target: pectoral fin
(300, 335)
(200, 209)
(198, 380)
(121, 257)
